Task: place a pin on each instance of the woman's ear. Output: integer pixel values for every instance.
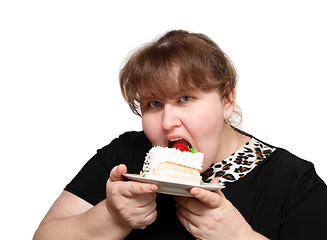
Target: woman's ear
(229, 102)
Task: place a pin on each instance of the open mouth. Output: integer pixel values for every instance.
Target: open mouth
(172, 142)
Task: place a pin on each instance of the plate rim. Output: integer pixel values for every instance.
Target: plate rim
(206, 186)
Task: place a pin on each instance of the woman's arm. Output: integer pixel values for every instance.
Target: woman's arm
(128, 205)
(71, 217)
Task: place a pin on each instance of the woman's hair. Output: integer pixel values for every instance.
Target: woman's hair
(177, 63)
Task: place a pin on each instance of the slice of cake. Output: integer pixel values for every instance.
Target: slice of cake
(177, 164)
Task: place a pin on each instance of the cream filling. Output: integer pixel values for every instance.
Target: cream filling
(176, 173)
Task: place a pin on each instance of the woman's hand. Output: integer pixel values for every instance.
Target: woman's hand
(209, 215)
(130, 204)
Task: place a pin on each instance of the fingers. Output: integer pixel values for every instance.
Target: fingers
(131, 203)
(211, 199)
(128, 188)
(141, 221)
(137, 212)
(151, 217)
(136, 188)
(186, 222)
(117, 172)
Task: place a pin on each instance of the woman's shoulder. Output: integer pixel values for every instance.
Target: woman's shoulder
(282, 156)
(132, 136)
(286, 168)
(127, 140)
(279, 159)
(288, 160)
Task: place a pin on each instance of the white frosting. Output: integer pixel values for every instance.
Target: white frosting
(158, 155)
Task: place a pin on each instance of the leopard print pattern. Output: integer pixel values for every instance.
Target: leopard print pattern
(240, 163)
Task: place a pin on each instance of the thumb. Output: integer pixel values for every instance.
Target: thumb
(117, 172)
(214, 180)
(214, 199)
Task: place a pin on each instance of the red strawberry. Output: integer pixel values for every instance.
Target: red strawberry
(181, 147)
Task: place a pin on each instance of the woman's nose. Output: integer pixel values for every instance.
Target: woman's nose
(170, 118)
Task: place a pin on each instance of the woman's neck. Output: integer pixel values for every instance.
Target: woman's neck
(232, 141)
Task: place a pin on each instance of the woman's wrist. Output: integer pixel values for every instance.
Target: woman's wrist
(258, 236)
(250, 234)
(100, 223)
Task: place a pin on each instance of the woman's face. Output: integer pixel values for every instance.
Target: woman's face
(197, 120)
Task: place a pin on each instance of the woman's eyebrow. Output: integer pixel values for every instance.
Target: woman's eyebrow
(147, 98)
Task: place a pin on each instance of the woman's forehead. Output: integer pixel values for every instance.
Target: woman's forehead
(162, 84)
(162, 93)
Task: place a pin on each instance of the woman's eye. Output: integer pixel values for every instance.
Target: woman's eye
(185, 98)
(155, 104)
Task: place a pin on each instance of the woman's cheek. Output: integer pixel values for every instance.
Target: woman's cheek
(151, 128)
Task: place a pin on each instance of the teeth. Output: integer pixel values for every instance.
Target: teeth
(176, 139)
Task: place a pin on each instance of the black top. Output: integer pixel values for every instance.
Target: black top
(281, 198)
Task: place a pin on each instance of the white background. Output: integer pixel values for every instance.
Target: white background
(60, 99)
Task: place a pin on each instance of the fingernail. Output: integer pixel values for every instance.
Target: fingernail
(152, 188)
(196, 192)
